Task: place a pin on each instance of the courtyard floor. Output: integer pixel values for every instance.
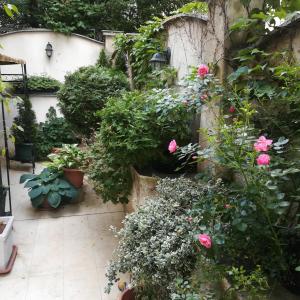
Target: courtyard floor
(62, 254)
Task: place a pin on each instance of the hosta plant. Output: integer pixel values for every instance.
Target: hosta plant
(69, 156)
(48, 185)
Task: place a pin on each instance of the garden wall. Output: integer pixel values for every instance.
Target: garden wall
(285, 37)
(69, 51)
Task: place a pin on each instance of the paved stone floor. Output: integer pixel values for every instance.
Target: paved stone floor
(63, 253)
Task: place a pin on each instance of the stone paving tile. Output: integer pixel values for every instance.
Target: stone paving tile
(62, 254)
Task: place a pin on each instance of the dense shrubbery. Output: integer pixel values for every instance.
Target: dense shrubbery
(85, 92)
(54, 132)
(135, 131)
(156, 243)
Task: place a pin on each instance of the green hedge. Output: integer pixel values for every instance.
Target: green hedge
(85, 92)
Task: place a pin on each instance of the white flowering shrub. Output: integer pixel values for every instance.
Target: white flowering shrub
(156, 243)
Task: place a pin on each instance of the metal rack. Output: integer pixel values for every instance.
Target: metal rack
(10, 78)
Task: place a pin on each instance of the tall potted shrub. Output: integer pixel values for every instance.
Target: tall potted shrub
(24, 131)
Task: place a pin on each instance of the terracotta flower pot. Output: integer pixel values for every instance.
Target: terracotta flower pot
(74, 176)
(128, 295)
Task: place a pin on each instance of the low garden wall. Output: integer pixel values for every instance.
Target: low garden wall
(142, 188)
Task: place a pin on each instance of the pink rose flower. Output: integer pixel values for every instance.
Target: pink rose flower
(194, 157)
(232, 109)
(227, 206)
(172, 146)
(203, 70)
(262, 144)
(205, 240)
(185, 102)
(263, 159)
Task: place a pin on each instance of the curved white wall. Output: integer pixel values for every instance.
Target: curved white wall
(70, 52)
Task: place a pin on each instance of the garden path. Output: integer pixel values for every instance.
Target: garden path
(62, 254)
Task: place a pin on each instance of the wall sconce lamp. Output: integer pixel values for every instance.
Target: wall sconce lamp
(49, 50)
(159, 60)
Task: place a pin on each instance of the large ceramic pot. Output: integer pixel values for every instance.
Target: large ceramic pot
(128, 295)
(74, 176)
(24, 152)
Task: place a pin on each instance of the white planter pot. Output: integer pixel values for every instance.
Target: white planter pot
(6, 242)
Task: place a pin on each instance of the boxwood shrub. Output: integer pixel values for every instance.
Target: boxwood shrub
(85, 91)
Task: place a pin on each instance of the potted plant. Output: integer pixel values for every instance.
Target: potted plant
(48, 189)
(24, 131)
(70, 159)
(128, 294)
(7, 249)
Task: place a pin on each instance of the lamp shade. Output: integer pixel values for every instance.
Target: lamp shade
(49, 50)
(158, 60)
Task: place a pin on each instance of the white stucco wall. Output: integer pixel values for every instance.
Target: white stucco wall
(184, 38)
(69, 51)
(41, 104)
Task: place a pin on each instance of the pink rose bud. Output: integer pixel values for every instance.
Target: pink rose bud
(189, 219)
(232, 109)
(203, 70)
(205, 240)
(185, 102)
(194, 157)
(172, 146)
(227, 206)
(262, 144)
(263, 159)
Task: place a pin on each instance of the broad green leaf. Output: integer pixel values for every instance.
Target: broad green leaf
(54, 199)
(46, 189)
(63, 184)
(32, 183)
(36, 192)
(25, 177)
(36, 202)
(297, 269)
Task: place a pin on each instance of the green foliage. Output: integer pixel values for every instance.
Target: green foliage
(103, 60)
(69, 156)
(139, 49)
(90, 17)
(24, 128)
(254, 284)
(48, 185)
(42, 84)
(85, 91)
(194, 7)
(156, 244)
(53, 134)
(135, 131)
(164, 78)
